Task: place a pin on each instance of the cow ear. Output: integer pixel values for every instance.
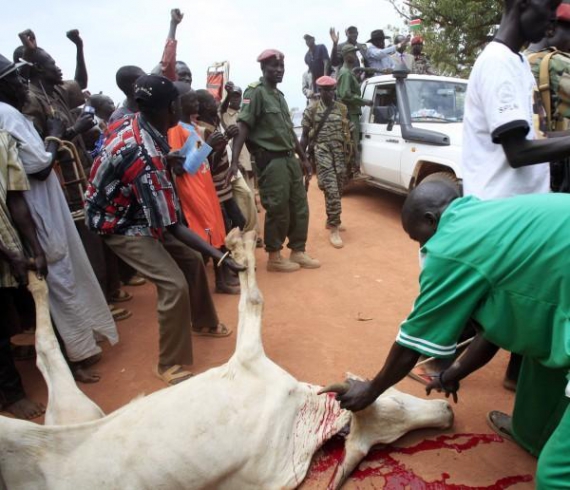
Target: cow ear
(338, 388)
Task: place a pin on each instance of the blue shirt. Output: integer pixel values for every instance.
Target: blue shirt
(379, 59)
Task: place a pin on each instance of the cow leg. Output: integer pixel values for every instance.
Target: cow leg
(67, 404)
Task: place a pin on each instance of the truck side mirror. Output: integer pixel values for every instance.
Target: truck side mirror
(385, 115)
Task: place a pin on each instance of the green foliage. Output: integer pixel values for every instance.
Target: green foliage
(455, 32)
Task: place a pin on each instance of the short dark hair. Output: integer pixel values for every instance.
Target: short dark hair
(126, 78)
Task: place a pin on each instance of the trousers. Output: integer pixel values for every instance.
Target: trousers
(284, 198)
(183, 294)
(331, 171)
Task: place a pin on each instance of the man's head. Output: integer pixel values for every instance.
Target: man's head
(424, 207)
(272, 65)
(126, 78)
(43, 66)
(351, 34)
(208, 109)
(158, 100)
(348, 53)
(183, 73)
(417, 45)
(533, 18)
(235, 95)
(309, 41)
(13, 91)
(560, 38)
(399, 39)
(327, 87)
(378, 39)
(103, 105)
(189, 105)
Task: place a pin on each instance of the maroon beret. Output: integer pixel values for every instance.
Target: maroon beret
(563, 12)
(326, 82)
(417, 40)
(270, 53)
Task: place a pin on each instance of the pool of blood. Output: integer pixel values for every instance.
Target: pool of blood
(398, 476)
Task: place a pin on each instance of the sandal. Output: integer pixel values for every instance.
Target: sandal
(22, 352)
(121, 296)
(173, 375)
(219, 331)
(136, 281)
(119, 313)
(501, 423)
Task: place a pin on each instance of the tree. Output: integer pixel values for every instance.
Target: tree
(454, 32)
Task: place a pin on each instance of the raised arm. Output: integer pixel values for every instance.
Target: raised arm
(168, 61)
(80, 68)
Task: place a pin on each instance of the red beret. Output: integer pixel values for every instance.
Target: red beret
(270, 53)
(326, 82)
(563, 12)
(417, 40)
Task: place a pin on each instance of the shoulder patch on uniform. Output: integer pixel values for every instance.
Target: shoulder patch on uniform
(254, 84)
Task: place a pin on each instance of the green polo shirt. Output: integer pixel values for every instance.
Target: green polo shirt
(505, 263)
(266, 113)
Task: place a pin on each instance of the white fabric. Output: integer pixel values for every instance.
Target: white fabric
(76, 301)
(500, 92)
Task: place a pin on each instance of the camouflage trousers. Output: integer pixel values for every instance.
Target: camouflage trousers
(331, 172)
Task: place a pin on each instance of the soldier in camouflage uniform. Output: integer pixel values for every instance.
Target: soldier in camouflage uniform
(550, 64)
(326, 132)
(422, 65)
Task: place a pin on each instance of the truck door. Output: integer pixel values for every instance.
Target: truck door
(382, 143)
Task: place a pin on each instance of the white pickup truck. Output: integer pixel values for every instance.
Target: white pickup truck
(413, 131)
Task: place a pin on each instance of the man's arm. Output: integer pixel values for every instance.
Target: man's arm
(194, 241)
(168, 61)
(26, 227)
(521, 152)
(56, 128)
(345, 93)
(80, 68)
(335, 57)
(361, 394)
(237, 145)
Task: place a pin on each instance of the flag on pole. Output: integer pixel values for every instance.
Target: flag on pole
(415, 25)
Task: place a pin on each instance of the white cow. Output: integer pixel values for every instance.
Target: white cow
(245, 425)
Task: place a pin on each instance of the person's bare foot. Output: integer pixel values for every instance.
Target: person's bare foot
(25, 409)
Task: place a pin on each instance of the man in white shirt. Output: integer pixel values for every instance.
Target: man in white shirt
(502, 157)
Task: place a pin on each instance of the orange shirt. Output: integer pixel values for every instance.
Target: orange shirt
(198, 197)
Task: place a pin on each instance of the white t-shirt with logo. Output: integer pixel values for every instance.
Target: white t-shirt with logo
(499, 98)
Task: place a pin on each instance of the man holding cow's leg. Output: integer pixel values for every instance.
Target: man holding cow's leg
(501, 295)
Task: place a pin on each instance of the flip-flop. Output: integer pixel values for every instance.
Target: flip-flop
(501, 423)
(173, 375)
(121, 296)
(120, 314)
(421, 375)
(219, 331)
(136, 281)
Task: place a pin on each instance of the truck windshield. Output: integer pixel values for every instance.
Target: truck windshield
(436, 101)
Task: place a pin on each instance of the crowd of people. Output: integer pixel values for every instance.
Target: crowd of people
(173, 170)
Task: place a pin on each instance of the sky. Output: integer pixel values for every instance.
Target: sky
(129, 32)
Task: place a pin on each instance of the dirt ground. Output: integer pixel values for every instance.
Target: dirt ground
(319, 324)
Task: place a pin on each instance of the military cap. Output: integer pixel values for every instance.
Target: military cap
(417, 40)
(270, 53)
(348, 48)
(155, 91)
(377, 34)
(326, 82)
(563, 12)
(7, 67)
(308, 36)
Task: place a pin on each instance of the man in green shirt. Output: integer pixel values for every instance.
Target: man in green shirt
(348, 92)
(265, 125)
(505, 264)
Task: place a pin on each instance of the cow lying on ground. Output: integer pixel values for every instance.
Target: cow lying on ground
(245, 425)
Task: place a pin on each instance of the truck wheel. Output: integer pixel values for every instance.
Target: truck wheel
(446, 177)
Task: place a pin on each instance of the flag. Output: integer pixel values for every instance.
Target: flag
(415, 25)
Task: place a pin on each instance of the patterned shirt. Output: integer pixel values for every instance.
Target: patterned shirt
(130, 191)
(12, 178)
(333, 129)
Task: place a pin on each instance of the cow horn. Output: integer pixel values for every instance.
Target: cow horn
(338, 388)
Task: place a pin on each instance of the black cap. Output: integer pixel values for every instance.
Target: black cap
(7, 67)
(377, 34)
(155, 91)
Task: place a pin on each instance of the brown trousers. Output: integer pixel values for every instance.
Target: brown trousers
(184, 298)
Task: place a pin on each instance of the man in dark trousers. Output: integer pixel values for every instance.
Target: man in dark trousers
(317, 60)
